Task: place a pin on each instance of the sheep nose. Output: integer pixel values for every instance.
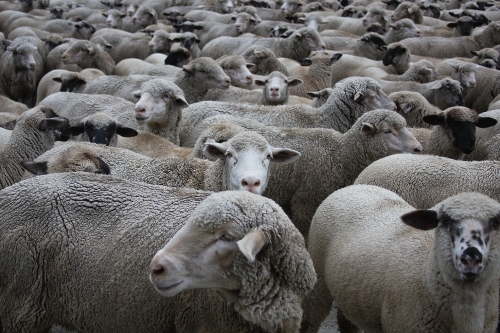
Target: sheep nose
(140, 109)
(471, 257)
(251, 184)
(249, 79)
(32, 65)
(417, 150)
(156, 268)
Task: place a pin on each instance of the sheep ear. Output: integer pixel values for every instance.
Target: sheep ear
(214, 150)
(484, 122)
(36, 168)
(313, 94)
(295, 82)
(181, 99)
(405, 107)
(57, 79)
(434, 119)
(103, 168)
(452, 25)
(53, 123)
(259, 82)
(250, 65)
(284, 156)
(90, 48)
(137, 94)
(252, 244)
(188, 69)
(422, 219)
(126, 132)
(336, 57)
(437, 85)
(475, 53)
(368, 129)
(73, 130)
(358, 96)
(9, 125)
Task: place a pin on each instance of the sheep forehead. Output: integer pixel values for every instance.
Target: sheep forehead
(461, 113)
(243, 209)
(376, 117)
(231, 61)
(277, 74)
(99, 119)
(160, 88)
(248, 140)
(469, 205)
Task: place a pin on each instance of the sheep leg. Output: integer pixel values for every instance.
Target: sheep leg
(316, 307)
(345, 326)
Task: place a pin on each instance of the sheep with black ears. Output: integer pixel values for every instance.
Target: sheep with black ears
(299, 45)
(32, 135)
(436, 176)
(454, 133)
(298, 188)
(158, 110)
(260, 245)
(451, 272)
(348, 101)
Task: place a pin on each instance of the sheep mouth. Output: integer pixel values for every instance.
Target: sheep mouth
(469, 277)
(141, 118)
(169, 290)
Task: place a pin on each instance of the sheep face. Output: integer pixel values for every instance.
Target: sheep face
(397, 139)
(247, 156)
(77, 52)
(463, 232)
(275, 88)
(23, 56)
(114, 18)
(145, 16)
(243, 22)
(240, 76)
(374, 98)
(466, 77)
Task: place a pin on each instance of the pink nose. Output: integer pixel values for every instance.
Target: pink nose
(250, 183)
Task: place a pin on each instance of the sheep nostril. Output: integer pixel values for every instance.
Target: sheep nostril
(157, 269)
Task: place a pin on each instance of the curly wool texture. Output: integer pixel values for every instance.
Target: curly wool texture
(273, 285)
(438, 177)
(119, 86)
(339, 112)
(76, 246)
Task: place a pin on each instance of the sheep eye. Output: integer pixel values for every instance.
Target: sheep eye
(229, 155)
(387, 131)
(269, 156)
(226, 238)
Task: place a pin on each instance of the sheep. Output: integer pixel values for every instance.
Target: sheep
(454, 132)
(119, 86)
(238, 69)
(10, 106)
(436, 176)
(423, 71)
(413, 107)
(297, 188)
(448, 47)
(63, 80)
(264, 59)
(178, 57)
(370, 45)
(299, 45)
(354, 25)
(345, 105)
(275, 91)
(134, 66)
(32, 135)
(210, 16)
(149, 210)
(443, 93)
(98, 128)
(251, 152)
(158, 110)
(487, 140)
(125, 45)
(449, 272)
(486, 89)
(200, 75)
(153, 145)
(400, 30)
(464, 72)
(21, 69)
(190, 41)
(145, 15)
(86, 54)
(162, 41)
(243, 23)
(320, 97)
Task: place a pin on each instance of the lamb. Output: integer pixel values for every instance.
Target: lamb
(448, 47)
(345, 105)
(454, 132)
(32, 135)
(63, 80)
(413, 107)
(443, 93)
(449, 272)
(158, 110)
(275, 91)
(297, 188)
(292, 47)
(264, 59)
(21, 67)
(86, 54)
(149, 210)
(250, 150)
(436, 176)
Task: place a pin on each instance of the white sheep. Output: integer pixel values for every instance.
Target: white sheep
(391, 268)
(425, 180)
(259, 253)
(299, 45)
(413, 107)
(299, 188)
(238, 69)
(32, 135)
(264, 59)
(341, 110)
(86, 54)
